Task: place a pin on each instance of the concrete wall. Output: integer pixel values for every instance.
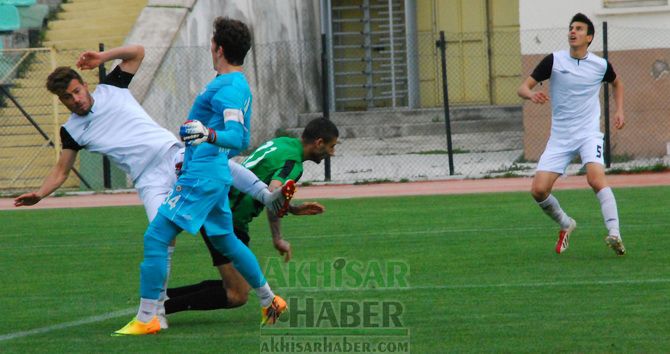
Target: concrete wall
(283, 67)
(639, 50)
(538, 20)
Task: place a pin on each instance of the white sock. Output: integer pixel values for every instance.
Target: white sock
(163, 295)
(247, 182)
(551, 207)
(609, 209)
(265, 294)
(147, 310)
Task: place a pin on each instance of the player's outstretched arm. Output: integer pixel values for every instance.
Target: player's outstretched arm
(281, 245)
(131, 57)
(54, 180)
(526, 92)
(307, 208)
(617, 86)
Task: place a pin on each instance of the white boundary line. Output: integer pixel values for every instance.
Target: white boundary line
(84, 321)
(129, 311)
(485, 286)
(310, 235)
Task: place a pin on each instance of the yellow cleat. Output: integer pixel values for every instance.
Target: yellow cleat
(270, 313)
(137, 328)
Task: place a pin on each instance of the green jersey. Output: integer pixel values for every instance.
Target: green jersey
(278, 159)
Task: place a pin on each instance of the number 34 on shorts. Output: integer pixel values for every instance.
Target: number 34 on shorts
(180, 192)
(171, 201)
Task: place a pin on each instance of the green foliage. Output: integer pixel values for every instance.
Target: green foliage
(522, 159)
(373, 181)
(658, 167)
(622, 158)
(24, 65)
(509, 170)
(441, 152)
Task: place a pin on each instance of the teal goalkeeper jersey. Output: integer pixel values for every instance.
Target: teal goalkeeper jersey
(278, 159)
(225, 106)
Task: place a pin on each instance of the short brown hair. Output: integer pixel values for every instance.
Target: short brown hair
(320, 128)
(60, 79)
(235, 38)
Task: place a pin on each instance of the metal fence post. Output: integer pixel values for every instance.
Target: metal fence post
(442, 44)
(324, 94)
(606, 105)
(106, 165)
(412, 56)
(54, 109)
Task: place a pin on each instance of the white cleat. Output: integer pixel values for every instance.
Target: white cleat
(564, 237)
(615, 243)
(162, 318)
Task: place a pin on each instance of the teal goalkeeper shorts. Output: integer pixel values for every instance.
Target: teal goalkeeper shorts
(197, 202)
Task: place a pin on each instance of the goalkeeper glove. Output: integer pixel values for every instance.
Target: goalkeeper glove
(193, 132)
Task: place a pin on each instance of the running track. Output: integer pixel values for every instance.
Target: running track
(373, 190)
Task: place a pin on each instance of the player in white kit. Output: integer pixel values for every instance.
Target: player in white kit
(111, 122)
(576, 76)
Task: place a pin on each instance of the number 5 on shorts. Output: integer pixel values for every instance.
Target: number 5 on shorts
(599, 151)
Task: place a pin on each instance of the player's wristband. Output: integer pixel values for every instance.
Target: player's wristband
(211, 137)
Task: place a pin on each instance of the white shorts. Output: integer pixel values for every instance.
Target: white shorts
(157, 181)
(558, 154)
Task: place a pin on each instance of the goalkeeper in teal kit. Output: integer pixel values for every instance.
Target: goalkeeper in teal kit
(218, 124)
(277, 162)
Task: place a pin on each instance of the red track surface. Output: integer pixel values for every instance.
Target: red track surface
(373, 190)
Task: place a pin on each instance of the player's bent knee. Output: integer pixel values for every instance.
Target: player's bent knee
(596, 182)
(539, 194)
(153, 269)
(597, 185)
(154, 246)
(155, 254)
(236, 298)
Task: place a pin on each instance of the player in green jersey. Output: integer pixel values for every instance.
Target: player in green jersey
(276, 162)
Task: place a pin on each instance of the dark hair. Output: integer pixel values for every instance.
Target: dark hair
(59, 79)
(320, 128)
(580, 17)
(234, 37)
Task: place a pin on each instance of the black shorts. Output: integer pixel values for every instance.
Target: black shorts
(218, 258)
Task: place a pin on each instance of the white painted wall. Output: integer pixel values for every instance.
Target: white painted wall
(544, 25)
(283, 66)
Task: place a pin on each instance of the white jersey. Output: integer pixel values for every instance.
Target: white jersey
(119, 128)
(574, 91)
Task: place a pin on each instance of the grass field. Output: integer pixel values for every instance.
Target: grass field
(482, 276)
